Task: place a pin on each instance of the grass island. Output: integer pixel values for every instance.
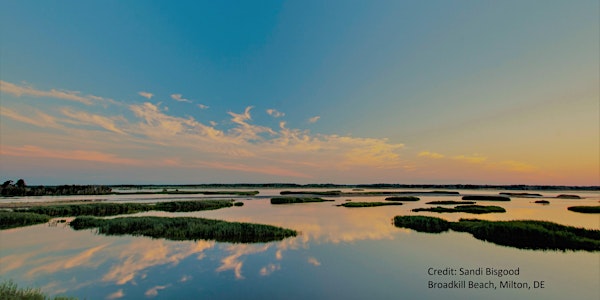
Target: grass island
(522, 234)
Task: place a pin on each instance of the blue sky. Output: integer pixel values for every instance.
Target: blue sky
(394, 91)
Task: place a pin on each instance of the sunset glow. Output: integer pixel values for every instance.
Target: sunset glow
(305, 92)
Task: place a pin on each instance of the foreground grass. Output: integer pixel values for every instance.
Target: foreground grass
(10, 291)
(471, 209)
(522, 234)
(450, 202)
(291, 200)
(185, 228)
(10, 219)
(112, 209)
(585, 209)
(368, 204)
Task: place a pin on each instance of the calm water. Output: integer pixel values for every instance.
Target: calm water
(341, 253)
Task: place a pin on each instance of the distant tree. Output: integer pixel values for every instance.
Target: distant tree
(7, 183)
(20, 183)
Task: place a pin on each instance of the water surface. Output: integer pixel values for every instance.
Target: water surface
(351, 253)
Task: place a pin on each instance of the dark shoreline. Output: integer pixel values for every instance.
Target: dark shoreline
(365, 186)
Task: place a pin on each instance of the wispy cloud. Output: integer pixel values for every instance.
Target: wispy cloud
(23, 90)
(34, 117)
(146, 95)
(428, 154)
(92, 119)
(85, 155)
(116, 295)
(153, 292)
(237, 144)
(274, 113)
(313, 261)
(314, 119)
(179, 97)
(202, 106)
(270, 268)
(473, 159)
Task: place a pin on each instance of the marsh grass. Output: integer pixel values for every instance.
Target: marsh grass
(177, 192)
(317, 193)
(486, 198)
(566, 196)
(471, 209)
(368, 204)
(402, 198)
(11, 291)
(450, 202)
(585, 209)
(185, 228)
(291, 200)
(522, 234)
(113, 209)
(10, 219)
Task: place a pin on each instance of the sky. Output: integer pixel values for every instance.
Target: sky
(187, 92)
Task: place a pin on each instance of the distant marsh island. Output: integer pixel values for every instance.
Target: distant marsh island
(42, 214)
(368, 204)
(521, 195)
(565, 196)
(450, 202)
(291, 200)
(522, 234)
(585, 209)
(471, 209)
(113, 209)
(402, 198)
(185, 228)
(542, 202)
(486, 198)
(360, 192)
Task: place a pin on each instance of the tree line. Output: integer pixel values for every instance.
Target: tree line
(15, 189)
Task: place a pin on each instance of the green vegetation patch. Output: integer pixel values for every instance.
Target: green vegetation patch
(368, 204)
(522, 234)
(187, 206)
(11, 291)
(450, 202)
(585, 209)
(402, 198)
(422, 223)
(290, 200)
(522, 195)
(486, 198)
(471, 209)
(238, 204)
(112, 209)
(318, 193)
(9, 219)
(564, 196)
(185, 228)
(178, 192)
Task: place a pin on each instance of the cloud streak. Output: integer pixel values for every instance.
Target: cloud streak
(148, 135)
(23, 90)
(146, 95)
(274, 113)
(314, 119)
(179, 97)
